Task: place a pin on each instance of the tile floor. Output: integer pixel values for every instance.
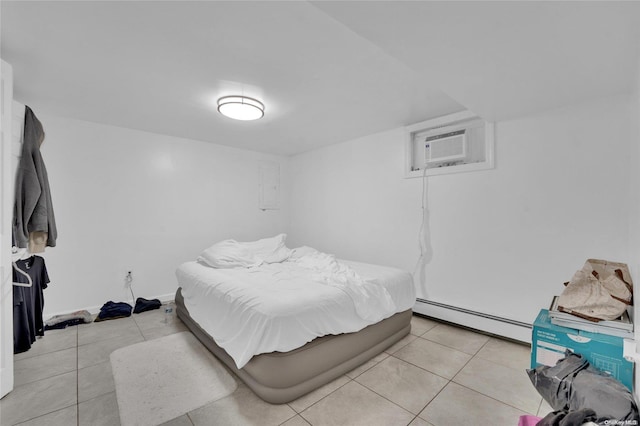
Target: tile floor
(439, 375)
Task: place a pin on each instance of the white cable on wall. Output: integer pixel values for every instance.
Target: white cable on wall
(128, 282)
(424, 234)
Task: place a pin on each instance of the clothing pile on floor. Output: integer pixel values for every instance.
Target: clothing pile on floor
(144, 305)
(57, 322)
(113, 310)
(579, 393)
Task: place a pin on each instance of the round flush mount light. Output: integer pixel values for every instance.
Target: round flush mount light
(240, 108)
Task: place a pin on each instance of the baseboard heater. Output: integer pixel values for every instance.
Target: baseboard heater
(488, 323)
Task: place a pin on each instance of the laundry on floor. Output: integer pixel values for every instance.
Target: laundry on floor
(144, 305)
(114, 310)
(58, 322)
(579, 393)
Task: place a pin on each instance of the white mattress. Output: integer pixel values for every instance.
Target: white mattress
(280, 307)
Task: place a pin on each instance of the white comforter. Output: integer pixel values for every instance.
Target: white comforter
(282, 306)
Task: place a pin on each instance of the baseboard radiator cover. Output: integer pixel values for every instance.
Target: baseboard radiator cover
(487, 323)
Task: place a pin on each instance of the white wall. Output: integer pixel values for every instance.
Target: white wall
(131, 200)
(17, 130)
(6, 210)
(503, 240)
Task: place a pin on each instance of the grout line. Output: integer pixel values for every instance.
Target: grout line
(424, 369)
(306, 422)
(385, 398)
(190, 419)
(144, 339)
(413, 419)
(306, 408)
(42, 415)
(44, 378)
(29, 354)
(491, 397)
(465, 364)
(295, 414)
(539, 407)
(42, 354)
(433, 399)
(457, 349)
(395, 403)
(104, 339)
(449, 380)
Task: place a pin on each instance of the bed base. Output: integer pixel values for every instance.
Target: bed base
(281, 377)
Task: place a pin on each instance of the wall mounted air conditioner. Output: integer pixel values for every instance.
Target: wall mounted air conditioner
(453, 143)
(445, 147)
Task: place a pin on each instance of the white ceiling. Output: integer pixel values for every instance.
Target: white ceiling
(507, 59)
(326, 71)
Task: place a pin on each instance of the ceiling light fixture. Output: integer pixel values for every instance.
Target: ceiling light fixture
(240, 108)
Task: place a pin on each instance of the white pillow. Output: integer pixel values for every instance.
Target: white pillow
(232, 254)
(269, 250)
(226, 254)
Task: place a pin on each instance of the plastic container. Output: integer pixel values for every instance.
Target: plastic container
(168, 314)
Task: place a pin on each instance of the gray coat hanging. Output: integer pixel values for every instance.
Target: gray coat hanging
(34, 221)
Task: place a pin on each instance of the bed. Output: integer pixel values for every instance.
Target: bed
(288, 321)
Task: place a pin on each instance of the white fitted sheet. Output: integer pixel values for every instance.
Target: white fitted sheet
(280, 307)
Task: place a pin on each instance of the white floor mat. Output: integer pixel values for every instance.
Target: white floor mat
(159, 380)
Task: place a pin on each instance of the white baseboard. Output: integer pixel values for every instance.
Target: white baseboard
(477, 320)
(164, 298)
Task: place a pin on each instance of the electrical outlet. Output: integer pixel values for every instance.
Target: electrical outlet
(128, 278)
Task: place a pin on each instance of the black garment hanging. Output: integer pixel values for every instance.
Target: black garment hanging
(28, 303)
